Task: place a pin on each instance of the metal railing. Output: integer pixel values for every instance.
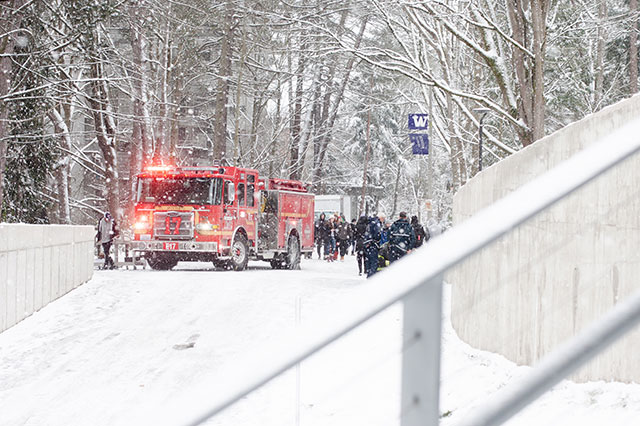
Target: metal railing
(417, 280)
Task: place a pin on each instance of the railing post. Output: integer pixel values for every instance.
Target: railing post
(422, 331)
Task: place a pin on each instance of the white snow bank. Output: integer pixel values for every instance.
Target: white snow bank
(129, 339)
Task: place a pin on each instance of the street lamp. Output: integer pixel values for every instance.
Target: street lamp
(484, 112)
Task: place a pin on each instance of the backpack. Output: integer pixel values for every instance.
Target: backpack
(421, 235)
(343, 231)
(372, 233)
(400, 236)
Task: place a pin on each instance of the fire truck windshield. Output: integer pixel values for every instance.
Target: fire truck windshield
(180, 190)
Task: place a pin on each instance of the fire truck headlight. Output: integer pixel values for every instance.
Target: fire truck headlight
(204, 226)
(141, 227)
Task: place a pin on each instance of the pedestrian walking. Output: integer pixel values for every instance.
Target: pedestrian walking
(107, 232)
(324, 235)
(371, 245)
(353, 237)
(422, 233)
(320, 228)
(330, 241)
(343, 236)
(359, 236)
(402, 239)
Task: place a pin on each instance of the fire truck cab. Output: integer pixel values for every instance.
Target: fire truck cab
(226, 215)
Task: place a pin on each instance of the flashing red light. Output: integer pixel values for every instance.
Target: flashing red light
(141, 227)
(142, 224)
(159, 168)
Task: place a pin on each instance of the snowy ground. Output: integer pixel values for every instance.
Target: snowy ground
(137, 338)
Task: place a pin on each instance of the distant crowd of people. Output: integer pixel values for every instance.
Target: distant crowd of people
(376, 242)
(335, 235)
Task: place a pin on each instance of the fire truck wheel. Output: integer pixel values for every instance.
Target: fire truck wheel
(239, 253)
(293, 253)
(161, 263)
(220, 265)
(276, 263)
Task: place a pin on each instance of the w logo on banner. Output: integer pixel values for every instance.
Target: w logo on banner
(418, 121)
(419, 144)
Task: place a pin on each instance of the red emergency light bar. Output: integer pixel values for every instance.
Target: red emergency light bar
(287, 185)
(168, 168)
(159, 168)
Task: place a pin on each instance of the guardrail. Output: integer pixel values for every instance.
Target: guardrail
(125, 256)
(416, 280)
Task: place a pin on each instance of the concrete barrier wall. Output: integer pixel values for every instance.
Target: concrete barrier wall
(547, 280)
(38, 264)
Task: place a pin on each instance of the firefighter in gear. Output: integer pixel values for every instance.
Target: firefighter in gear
(371, 245)
(402, 238)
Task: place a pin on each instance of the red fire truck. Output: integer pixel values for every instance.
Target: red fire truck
(226, 215)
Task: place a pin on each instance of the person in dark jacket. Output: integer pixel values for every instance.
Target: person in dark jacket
(353, 237)
(358, 236)
(330, 240)
(343, 236)
(372, 245)
(422, 235)
(402, 239)
(107, 232)
(319, 229)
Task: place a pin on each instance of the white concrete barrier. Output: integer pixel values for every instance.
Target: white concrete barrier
(38, 264)
(548, 279)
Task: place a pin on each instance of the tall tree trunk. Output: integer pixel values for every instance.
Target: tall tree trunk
(296, 120)
(395, 190)
(328, 127)
(105, 135)
(276, 129)
(633, 47)
(518, 21)
(9, 21)
(314, 124)
(256, 115)
(322, 135)
(237, 152)
(530, 75)
(61, 168)
(222, 93)
(457, 157)
(178, 90)
(600, 51)
(141, 144)
(161, 150)
(539, 10)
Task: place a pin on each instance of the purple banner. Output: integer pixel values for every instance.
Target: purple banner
(420, 144)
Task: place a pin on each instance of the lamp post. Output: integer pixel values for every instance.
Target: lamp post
(484, 112)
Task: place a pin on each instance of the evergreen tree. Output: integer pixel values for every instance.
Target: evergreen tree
(30, 153)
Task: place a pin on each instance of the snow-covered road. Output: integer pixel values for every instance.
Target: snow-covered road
(138, 338)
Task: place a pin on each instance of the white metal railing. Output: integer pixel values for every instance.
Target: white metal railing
(416, 280)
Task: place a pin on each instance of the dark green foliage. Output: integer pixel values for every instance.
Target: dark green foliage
(31, 154)
(28, 166)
